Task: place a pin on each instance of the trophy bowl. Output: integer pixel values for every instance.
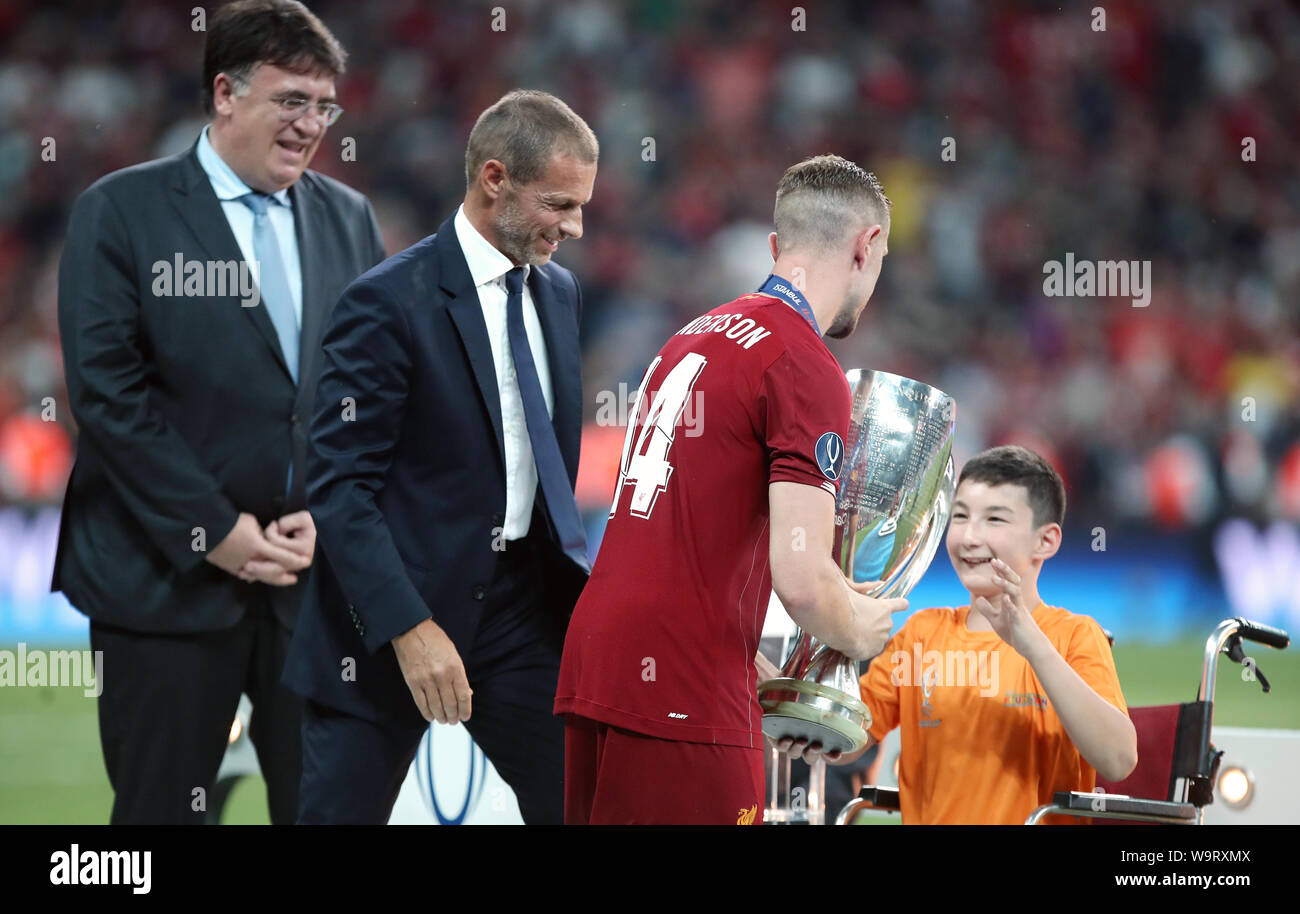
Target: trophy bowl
(895, 495)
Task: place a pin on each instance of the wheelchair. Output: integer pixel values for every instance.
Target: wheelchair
(1177, 763)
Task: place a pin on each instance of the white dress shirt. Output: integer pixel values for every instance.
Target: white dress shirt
(229, 188)
(489, 267)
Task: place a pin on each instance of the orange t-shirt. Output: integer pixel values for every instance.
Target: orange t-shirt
(982, 743)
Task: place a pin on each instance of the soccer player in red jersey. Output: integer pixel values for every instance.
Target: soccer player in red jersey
(726, 490)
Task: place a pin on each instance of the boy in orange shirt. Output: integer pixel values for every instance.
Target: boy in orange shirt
(1008, 700)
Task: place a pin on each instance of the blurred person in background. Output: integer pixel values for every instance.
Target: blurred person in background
(1056, 129)
(184, 536)
(454, 548)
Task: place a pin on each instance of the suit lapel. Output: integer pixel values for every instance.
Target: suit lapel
(466, 314)
(198, 207)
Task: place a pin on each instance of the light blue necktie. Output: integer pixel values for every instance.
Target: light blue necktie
(551, 473)
(273, 279)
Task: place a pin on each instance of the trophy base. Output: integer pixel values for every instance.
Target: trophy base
(817, 713)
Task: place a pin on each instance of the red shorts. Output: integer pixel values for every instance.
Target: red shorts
(617, 777)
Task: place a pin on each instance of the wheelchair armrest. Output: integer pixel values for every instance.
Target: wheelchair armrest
(879, 798)
(1114, 806)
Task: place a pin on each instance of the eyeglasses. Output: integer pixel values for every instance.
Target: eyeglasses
(292, 107)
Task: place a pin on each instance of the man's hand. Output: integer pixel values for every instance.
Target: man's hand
(434, 673)
(801, 748)
(295, 532)
(1007, 612)
(246, 543)
(862, 587)
(877, 613)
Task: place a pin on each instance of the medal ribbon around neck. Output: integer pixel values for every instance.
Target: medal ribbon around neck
(782, 288)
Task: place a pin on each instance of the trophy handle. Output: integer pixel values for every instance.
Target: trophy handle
(936, 519)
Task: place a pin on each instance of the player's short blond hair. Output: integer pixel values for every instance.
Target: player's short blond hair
(824, 199)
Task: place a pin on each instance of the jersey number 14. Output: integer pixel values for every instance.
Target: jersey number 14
(645, 465)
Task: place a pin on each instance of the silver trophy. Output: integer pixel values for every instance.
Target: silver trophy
(896, 488)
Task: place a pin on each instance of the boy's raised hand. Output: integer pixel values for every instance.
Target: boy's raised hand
(1007, 612)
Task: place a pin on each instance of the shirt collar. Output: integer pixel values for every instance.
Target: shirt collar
(225, 182)
(486, 263)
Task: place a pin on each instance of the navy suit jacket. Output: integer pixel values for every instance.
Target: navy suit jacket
(406, 471)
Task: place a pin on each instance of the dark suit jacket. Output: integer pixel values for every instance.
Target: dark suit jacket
(409, 491)
(186, 410)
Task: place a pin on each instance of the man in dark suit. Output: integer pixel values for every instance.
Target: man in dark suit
(184, 535)
(444, 450)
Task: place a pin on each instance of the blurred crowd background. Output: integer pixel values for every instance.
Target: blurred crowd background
(1169, 137)
(1124, 144)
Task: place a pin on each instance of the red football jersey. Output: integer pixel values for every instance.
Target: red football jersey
(663, 639)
